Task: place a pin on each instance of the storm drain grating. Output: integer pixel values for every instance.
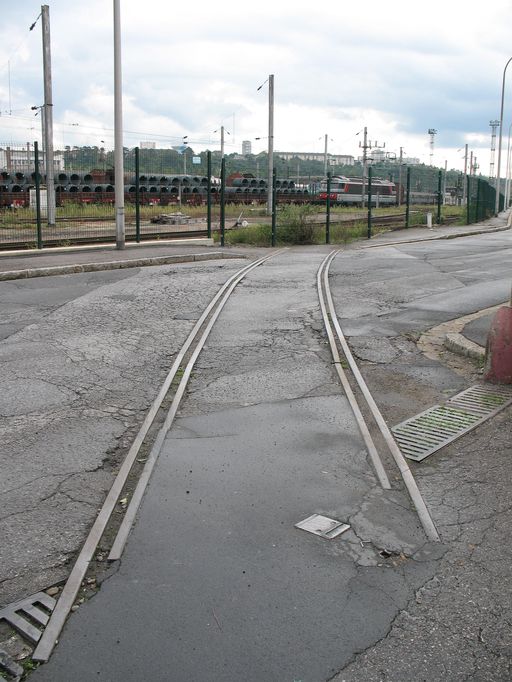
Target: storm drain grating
(431, 430)
(29, 615)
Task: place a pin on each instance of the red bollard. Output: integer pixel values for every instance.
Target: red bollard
(498, 355)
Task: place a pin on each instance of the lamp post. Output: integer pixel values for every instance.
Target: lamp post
(497, 204)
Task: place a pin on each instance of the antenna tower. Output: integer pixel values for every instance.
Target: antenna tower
(494, 126)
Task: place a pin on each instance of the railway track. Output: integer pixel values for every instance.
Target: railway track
(339, 347)
(112, 529)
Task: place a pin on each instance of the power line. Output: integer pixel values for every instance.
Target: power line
(109, 131)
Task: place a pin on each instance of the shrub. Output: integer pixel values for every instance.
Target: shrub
(296, 224)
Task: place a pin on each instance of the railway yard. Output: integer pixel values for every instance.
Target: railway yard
(198, 466)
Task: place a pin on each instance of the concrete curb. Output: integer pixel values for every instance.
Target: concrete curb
(112, 265)
(472, 233)
(475, 232)
(457, 343)
(129, 245)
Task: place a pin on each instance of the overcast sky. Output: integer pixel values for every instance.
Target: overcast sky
(398, 67)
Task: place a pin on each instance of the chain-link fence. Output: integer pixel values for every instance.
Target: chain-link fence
(179, 193)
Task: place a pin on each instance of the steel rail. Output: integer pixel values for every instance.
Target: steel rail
(129, 517)
(405, 471)
(361, 423)
(69, 593)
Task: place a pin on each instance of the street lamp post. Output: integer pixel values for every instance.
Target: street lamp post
(497, 204)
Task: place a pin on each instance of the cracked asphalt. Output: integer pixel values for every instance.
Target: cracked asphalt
(457, 626)
(80, 358)
(216, 583)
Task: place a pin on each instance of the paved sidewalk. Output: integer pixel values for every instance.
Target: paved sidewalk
(48, 262)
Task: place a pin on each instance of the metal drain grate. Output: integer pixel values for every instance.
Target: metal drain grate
(431, 430)
(29, 614)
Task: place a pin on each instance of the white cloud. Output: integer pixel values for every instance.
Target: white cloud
(188, 68)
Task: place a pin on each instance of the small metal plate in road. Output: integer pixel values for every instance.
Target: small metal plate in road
(323, 526)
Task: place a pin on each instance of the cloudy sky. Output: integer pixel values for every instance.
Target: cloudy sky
(398, 68)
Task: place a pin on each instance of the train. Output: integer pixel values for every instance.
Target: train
(97, 187)
(350, 191)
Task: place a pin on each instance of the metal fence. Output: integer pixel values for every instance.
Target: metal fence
(481, 200)
(175, 192)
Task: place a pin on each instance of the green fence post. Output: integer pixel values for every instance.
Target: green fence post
(439, 195)
(478, 188)
(209, 193)
(328, 211)
(137, 196)
(369, 203)
(408, 197)
(369, 231)
(468, 199)
(38, 197)
(222, 201)
(274, 211)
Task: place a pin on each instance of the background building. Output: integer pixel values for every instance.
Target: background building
(333, 159)
(21, 159)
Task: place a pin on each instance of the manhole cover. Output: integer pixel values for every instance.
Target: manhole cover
(323, 526)
(431, 430)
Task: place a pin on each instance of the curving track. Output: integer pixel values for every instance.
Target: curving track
(265, 413)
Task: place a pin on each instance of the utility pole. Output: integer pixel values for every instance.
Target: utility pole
(471, 163)
(432, 133)
(118, 130)
(464, 184)
(48, 114)
(365, 146)
(399, 193)
(325, 157)
(494, 126)
(270, 141)
(222, 142)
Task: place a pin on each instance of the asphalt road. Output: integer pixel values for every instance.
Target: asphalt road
(81, 357)
(217, 584)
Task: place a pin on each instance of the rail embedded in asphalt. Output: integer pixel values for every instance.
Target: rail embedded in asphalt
(199, 333)
(332, 325)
